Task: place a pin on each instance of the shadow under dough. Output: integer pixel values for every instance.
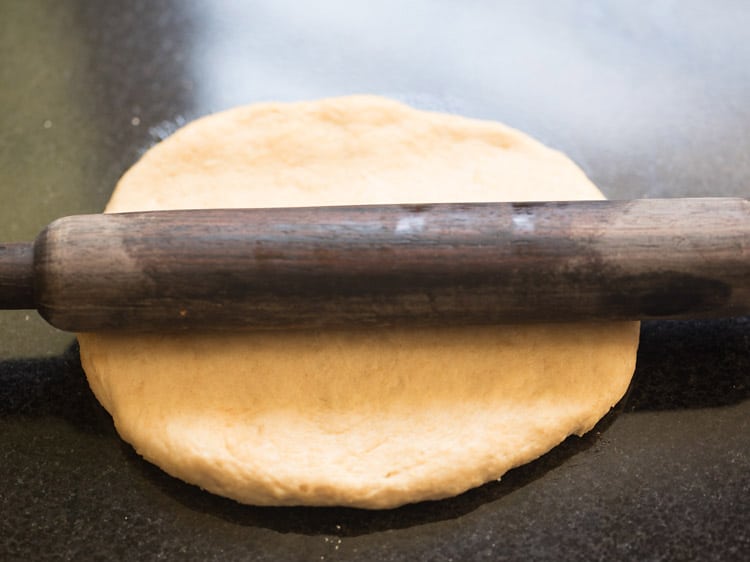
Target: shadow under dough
(52, 387)
(691, 365)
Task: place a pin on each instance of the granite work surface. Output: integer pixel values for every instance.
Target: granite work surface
(649, 98)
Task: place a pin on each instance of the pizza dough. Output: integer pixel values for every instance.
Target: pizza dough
(367, 418)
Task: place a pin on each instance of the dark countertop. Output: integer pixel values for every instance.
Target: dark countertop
(651, 99)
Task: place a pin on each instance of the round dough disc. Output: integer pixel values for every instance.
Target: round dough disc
(367, 418)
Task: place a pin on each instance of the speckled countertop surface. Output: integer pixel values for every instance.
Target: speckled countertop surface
(651, 99)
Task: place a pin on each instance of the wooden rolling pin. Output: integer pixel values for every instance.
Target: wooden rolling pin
(386, 265)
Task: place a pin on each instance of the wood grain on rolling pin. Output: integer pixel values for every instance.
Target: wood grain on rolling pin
(396, 264)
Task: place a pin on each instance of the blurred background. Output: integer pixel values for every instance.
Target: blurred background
(650, 98)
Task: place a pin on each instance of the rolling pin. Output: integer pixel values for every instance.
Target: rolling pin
(381, 265)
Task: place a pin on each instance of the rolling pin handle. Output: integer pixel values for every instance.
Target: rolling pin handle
(17, 276)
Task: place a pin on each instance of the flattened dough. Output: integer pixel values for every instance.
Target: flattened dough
(367, 418)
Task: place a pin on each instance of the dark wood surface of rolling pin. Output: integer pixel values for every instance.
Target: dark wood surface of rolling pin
(396, 264)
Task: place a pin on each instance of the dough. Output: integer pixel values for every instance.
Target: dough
(366, 418)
